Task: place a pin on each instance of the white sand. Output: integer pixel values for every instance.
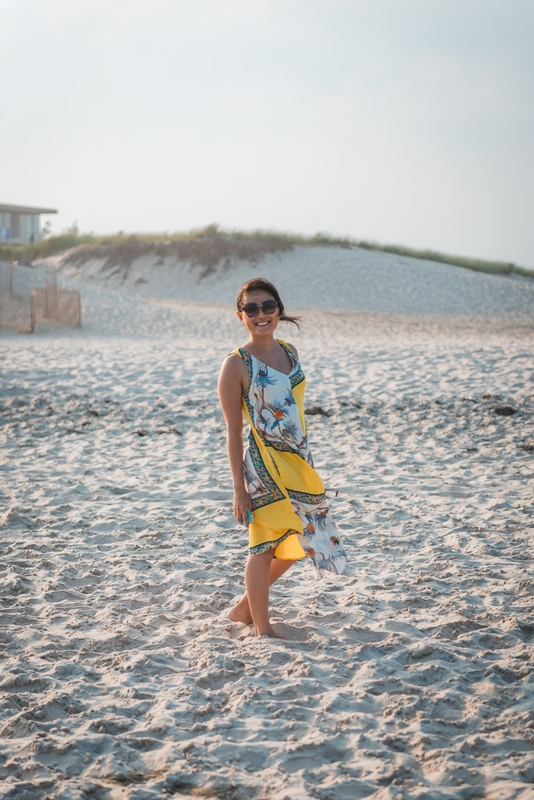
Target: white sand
(412, 676)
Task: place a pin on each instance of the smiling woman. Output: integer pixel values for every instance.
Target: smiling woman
(277, 493)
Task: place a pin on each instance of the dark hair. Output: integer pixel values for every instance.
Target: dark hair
(263, 285)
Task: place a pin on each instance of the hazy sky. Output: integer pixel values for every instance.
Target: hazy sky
(402, 121)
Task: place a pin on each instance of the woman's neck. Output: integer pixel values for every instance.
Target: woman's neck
(263, 344)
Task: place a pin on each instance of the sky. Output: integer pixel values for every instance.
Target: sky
(398, 121)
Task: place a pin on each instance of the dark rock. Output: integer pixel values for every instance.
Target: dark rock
(316, 409)
(505, 411)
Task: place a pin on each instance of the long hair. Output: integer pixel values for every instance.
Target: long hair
(263, 285)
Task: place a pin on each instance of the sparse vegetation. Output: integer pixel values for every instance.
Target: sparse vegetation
(208, 247)
(477, 264)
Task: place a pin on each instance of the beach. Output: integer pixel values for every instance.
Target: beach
(409, 676)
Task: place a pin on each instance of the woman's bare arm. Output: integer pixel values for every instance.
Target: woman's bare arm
(231, 383)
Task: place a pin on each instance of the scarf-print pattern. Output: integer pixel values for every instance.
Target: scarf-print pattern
(276, 420)
(274, 413)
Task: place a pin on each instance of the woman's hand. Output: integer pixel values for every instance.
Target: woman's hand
(241, 503)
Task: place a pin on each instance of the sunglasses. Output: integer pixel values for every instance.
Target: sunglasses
(253, 309)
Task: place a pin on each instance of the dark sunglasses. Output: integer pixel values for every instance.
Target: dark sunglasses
(253, 309)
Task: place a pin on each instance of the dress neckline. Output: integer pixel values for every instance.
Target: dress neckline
(292, 357)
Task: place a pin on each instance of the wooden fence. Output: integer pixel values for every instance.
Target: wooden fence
(30, 296)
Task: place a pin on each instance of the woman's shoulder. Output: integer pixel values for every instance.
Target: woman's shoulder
(233, 363)
(233, 369)
(289, 346)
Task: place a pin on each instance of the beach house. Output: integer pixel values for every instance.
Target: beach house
(21, 224)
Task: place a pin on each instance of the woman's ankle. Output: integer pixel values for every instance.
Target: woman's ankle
(266, 631)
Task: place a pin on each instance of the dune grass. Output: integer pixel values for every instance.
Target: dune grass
(477, 264)
(209, 246)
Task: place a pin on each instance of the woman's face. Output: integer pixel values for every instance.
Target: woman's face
(262, 324)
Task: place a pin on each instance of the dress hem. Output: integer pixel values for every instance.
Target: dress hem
(258, 549)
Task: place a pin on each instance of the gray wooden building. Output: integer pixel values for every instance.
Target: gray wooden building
(21, 224)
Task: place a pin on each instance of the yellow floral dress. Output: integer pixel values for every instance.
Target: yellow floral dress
(290, 508)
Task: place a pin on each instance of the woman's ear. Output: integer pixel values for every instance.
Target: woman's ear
(240, 318)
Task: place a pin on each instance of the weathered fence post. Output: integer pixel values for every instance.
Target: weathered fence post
(33, 311)
(47, 303)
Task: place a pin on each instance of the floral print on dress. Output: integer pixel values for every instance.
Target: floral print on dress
(276, 419)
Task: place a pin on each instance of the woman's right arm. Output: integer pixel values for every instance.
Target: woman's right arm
(231, 383)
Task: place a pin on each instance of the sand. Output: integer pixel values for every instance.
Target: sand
(411, 676)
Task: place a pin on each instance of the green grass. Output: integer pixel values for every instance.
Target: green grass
(208, 246)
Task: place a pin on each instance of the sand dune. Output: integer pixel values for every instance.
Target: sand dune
(323, 277)
(409, 677)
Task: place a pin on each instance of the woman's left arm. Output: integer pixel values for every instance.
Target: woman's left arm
(231, 379)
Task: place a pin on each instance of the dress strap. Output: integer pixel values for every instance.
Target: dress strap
(291, 353)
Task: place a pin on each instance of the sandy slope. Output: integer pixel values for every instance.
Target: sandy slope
(410, 677)
(327, 277)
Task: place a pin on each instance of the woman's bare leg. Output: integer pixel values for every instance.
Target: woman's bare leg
(257, 577)
(241, 611)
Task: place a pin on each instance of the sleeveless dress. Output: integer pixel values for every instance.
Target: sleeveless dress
(290, 508)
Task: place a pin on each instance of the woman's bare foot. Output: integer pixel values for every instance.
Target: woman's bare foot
(239, 614)
(269, 634)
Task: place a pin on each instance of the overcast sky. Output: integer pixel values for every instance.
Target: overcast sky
(400, 121)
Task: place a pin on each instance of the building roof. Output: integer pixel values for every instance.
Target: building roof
(26, 209)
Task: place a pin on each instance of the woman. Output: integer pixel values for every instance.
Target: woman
(277, 493)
